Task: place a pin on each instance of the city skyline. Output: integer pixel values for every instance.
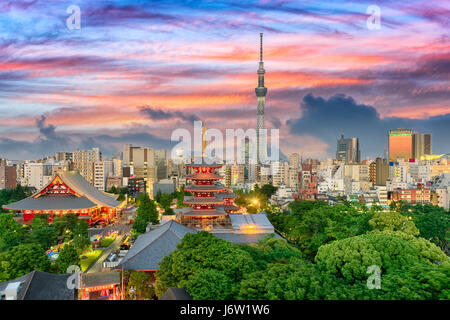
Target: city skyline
(132, 74)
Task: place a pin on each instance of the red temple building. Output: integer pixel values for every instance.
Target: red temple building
(68, 192)
(211, 202)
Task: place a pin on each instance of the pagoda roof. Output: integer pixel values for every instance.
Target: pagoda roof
(85, 196)
(226, 195)
(200, 188)
(205, 200)
(51, 202)
(229, 207)
(204, 176)
(188, 211)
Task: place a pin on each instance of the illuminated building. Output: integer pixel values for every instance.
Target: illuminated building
(207, 209)
(100, 286)
(400, 144)
(68, 192)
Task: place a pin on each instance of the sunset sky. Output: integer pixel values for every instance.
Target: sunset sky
(136, 71)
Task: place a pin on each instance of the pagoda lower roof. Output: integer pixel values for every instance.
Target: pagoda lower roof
(205, 188)
(226, 195)
(229, 207)
(191, 212)
(52, 202)
(204, 176)
(204, 200)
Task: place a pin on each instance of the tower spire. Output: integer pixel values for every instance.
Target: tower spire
(261, 47)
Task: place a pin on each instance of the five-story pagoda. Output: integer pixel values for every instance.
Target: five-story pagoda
(210, 201)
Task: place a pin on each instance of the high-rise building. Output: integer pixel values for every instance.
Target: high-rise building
(421, 145)
(147, 163)
(261, 91)
(8, 176)
(294, 161)
(381, 171)
(348, 150)
(400, 144)
(83, 162)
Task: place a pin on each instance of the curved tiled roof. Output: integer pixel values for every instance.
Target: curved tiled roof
(188, 211)
(75, 181)
(197, 200)
(51, 202)
(200, 188)
(150, 248)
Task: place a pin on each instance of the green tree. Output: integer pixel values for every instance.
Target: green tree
(142, 284)
(68, 256)
(393, 221)
(349, 258)
(201, 251)
(42, 232)
(313, 223)
(11, 233)
(81, 236)
(21, 260)
(209, 284)
(268, 190)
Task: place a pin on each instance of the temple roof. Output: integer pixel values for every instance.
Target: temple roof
(151, 247)
(100, 278)
(51, 202)
(175, 294)
(38, 285)
(87, 196)
(75, 181)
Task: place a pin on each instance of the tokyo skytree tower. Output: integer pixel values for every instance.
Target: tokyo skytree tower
(261, 135)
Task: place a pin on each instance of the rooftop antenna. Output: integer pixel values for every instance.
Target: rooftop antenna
(261, 47)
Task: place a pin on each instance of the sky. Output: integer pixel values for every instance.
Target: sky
(137, 70)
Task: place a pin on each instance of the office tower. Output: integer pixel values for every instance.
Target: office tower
(382, 172)
(8, 176)
(400, 144)
(348, 150)
(421, 145)
(261, 91)
(147, 163)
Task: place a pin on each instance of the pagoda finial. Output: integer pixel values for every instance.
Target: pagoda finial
(261, 47)
(203, 140)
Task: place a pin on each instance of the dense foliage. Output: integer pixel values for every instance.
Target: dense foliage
(146, 213)
(12, 195)
(331, 252)
(18, 241)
